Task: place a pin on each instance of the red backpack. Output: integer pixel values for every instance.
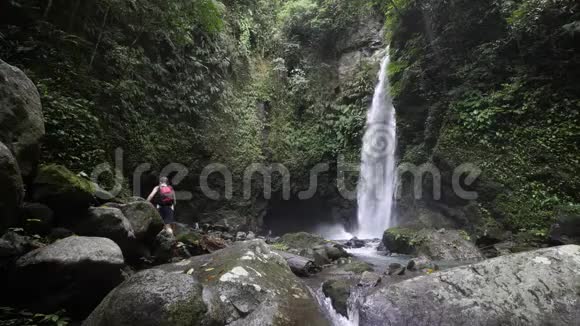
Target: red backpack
(166, 195)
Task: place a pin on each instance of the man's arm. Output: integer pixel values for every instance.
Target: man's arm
(152, 193)
(174, 201)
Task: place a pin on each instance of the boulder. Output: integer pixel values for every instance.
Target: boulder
(355, 243)
(12, 189)
(36, 218)
(59, 233)
(338, 291)
(335, 251)
(163, 248)
(566, 230)
(250, 236)
(67, 194)
(240, 236)
(532, 288)
(449, 245)
(245, 284)
(396, 269)
(152, 297)
(13, 245)
(369, 279)
(144, 219)
(73, 274)
(421, 263)
(109, 222)
(21, 121)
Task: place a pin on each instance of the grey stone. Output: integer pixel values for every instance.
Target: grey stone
(109, 222)
(144, 219)
(533, 288)
(338, 291)
(240, 236)
(37, 218)
(73, 273)
(369, 279)
(21, 121)
(11, 189)
(245, 284)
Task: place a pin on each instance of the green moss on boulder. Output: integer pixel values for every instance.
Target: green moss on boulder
(63, 191)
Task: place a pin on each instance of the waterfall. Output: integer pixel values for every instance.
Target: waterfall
(376, 185)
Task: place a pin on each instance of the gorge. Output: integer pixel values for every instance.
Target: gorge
(360, 162)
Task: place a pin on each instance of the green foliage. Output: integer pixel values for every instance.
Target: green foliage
(11, 316)
(496, 92)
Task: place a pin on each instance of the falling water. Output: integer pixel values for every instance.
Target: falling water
(377, 178)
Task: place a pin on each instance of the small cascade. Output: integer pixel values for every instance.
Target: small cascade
(376, 186)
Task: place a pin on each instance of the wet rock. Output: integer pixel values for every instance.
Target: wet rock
(244, 284)
(335, 251)
(73, 273)
(21, 121)
(338, 291)
(396, 269)
(68, 195)
(440, 244)
(369, 279)
(36, 218)
(420, 263)
(543, 281)
(11, 189)
(355, 243)
(250, 236)
(240, 236)
(319, 255)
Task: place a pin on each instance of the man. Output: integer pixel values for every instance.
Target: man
(165, 202)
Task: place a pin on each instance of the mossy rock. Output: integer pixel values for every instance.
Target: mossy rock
(338, 291)
(63, 191)
(301, 240)
(448, 245)
(402, 240)
(358, 267)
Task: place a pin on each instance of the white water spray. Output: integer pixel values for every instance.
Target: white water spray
(376, 186)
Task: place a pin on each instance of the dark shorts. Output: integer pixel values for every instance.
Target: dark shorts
(167, 214)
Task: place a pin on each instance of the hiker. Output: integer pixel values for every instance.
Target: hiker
(165, 202)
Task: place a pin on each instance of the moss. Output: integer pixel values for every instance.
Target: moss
(189, 238)
(301, 240)
(62, 180)
(403, 240)
(358, 267)
(279, 246)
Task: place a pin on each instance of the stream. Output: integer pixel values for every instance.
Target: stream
(368, 254)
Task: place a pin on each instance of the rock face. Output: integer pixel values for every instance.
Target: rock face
(65, 193)
(73, 273)
(245, 284)
(441, 244)
(21, 122)
(12, 189)
(532, 288)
